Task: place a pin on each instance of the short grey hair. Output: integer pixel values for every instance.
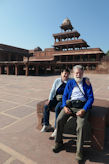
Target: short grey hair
(78, 67)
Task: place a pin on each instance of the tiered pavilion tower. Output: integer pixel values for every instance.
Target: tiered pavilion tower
(70, 50)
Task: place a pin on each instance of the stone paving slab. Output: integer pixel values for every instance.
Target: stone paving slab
(20, 142)
(33, 103)
(5, 120)
(21, 111)
(3, 156)
(16, 162)
(6, 106)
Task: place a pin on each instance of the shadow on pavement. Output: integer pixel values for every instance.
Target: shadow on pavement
(89, 153)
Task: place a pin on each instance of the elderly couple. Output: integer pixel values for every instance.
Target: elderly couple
(77, 98)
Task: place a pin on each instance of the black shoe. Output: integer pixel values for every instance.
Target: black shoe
(58, 147)
(51, 138)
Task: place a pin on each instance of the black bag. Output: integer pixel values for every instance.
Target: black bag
(75, 104)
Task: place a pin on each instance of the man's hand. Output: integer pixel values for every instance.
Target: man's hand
(67, 110)
(80, 113)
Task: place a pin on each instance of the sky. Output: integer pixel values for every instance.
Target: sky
(31, 23)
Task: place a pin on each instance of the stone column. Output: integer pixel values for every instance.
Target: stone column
(80, 57)
(37, 70)
(66, 58)
(88, 57)
(88, 67)
(60, 58)
(97, 57)
(7, 68)
(26, 70)
(16, 69)
(0, 69)
(27, 59)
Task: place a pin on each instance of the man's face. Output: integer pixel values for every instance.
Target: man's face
(78, 75)
(64, 75)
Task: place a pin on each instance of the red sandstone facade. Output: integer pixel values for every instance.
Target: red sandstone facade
(68, 50)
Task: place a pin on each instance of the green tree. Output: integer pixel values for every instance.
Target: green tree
(107, 53)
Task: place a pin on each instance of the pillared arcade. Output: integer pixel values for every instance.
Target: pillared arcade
(68, 50)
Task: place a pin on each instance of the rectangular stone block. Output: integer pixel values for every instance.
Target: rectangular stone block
(97, 139)
(107, 119)
(98, 122)
(40, 106)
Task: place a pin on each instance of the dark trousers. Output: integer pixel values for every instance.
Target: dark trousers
(53, 104)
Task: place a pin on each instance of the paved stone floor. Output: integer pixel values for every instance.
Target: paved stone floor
(20, 141)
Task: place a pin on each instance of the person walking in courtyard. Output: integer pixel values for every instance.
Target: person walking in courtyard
(77, 100)
(55, 99)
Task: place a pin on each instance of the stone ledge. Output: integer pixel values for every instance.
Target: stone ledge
(99, 119)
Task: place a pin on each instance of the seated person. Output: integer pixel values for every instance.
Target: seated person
(55, 98)
(77, 100)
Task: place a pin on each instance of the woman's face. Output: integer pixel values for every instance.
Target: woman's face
(64, 75)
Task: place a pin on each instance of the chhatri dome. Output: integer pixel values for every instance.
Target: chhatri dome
(37, 49)
(66, 22)
(66, 25)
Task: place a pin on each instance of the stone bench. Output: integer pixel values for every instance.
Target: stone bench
(99, 119)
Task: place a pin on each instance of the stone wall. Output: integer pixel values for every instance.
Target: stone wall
(103, 67)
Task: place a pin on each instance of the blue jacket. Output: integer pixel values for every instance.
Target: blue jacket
(87, 90)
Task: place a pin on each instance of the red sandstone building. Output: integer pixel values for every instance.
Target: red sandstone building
(68, 50)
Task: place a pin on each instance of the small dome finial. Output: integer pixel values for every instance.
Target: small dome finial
(66, 24)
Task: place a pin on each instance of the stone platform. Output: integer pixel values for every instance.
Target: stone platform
(20, 141)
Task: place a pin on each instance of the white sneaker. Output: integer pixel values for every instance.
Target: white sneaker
(54, 133)
(45, 128)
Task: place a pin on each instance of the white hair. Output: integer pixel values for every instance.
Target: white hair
(78, 67)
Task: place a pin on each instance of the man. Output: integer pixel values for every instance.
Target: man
(77, 100)
(55, 99)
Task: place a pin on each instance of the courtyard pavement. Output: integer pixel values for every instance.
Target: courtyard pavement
(20, 141)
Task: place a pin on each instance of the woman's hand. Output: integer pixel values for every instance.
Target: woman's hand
(47, 102)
